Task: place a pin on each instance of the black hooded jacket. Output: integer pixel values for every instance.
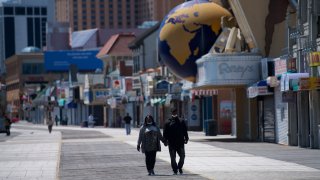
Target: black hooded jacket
(175, 132)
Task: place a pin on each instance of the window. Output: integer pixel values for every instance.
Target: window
(20, 11)
(29, 11)
(43, 11)
(30, 30)
(33, 68)
(9, 40)
(8, 10)
(37, 32)
(37, 11)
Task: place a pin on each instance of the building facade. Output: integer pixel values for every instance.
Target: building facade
(26, 77)
(89, 14)
(22, 24)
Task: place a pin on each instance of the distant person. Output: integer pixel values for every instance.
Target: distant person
(57, 120)
(50, 124)
(127, 119)
(66, 120)
(175, 132)
(91, 121)
(7, 124)
(149, 142)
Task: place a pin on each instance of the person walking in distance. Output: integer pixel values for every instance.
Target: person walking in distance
(56, 119)
(50, 123)
(149, 142)
(7, 124)
(127, 120)
(175, 132)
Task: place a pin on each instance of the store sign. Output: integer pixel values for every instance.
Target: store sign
(100, 95)
(255, 91)
(309, 83)
(62, 60)
(136, 83)
(162, 87)
(128, 84)
(228, 70)
(314, 59)
(286, 78)
(280, 66)
(292, 65)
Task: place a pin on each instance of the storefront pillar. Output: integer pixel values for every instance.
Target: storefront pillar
(303, 116)
(314, 118)
(242, 115)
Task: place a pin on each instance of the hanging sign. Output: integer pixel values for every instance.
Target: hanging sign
(314, 59)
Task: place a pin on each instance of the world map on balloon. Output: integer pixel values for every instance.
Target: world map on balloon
(188, 32)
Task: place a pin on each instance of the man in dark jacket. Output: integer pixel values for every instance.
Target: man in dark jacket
(175, 132)
(127, 119)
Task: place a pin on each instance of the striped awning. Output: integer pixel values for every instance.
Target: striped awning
(204, 92)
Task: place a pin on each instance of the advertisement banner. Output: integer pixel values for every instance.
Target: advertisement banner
(62, 60)
(309, 83)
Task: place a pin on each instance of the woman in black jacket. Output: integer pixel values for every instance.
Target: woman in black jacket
(149, 142)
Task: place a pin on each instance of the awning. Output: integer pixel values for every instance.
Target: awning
(204, 92)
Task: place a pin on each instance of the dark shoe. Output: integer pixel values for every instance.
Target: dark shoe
(174, 173)
(149, 172)
(180, 171)
(152, 172)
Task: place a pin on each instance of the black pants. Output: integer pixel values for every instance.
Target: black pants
(150, 159)
(50, 128)
(7, 130)
(173, 151)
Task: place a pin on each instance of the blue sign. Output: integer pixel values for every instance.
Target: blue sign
(61, 60)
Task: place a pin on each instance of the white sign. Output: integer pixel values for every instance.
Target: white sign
(228, 70)
(280, 66)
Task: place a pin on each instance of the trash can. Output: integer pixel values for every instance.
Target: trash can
(211, 128)
(85, 124)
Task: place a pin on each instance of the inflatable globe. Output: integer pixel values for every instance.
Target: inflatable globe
(187, 33)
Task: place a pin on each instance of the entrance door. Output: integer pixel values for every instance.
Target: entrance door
(209, 116)
(268, 120)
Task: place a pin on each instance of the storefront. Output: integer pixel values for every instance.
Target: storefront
(227, 75)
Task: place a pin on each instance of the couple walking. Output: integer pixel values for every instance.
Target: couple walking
(174, 134)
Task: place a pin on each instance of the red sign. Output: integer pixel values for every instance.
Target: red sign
(128, 84)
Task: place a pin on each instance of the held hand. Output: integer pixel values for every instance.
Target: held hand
(138, 148)
(186, 141)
